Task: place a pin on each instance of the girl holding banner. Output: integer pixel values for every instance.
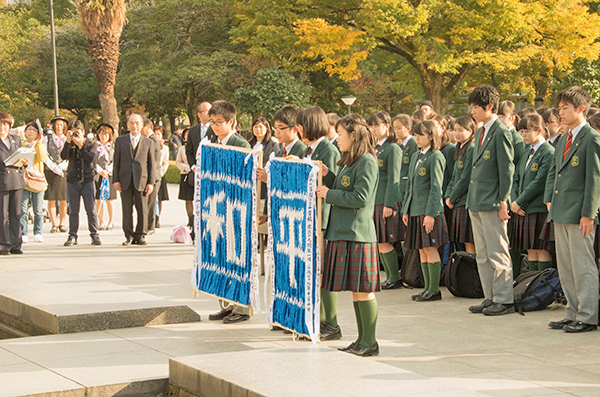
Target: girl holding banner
(351, 255)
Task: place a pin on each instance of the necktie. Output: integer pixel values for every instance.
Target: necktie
(568, 144)
(531, 153)
(284, 152)
(402, 146)
(308, 152)
(377, 147)
(134, 143)
(481, 137)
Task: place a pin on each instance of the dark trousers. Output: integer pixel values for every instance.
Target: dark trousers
(10, 228)
(129, 199)
(87, 191)
(152, 206)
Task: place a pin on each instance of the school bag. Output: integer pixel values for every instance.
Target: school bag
(462, 276)
(411, 272)
(536, 290)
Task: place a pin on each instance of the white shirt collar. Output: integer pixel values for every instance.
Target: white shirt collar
(334, 139)
(537, 145)
(226, 139)
(488, 125)
(425, 150)
(135, 138)
(381, 142)
(289, 147)
(314, 145)
(405, 142)
(553, 139)
(576, 130)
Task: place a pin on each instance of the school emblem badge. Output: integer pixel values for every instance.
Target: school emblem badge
(405, 160)
(534, 167)
(422, 171)
(380, 162)
(460, 164)
(575, 161)
(486, 155)
(345, 181)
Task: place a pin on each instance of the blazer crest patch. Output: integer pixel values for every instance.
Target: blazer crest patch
(460, 164)
(405, 160)
(575, 161)
(345, 181)
(534, 167)
(380, 162)
(422, 171)
(486, 155)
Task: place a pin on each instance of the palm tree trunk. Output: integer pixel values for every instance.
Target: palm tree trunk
(104, 53)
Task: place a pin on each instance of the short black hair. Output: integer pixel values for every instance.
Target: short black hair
(223, 108)
(576, 96)
(485, 95)
(287, 115)
(76, 124)
(314, 122)
(7, 119)
(148, 123)
(383, 117)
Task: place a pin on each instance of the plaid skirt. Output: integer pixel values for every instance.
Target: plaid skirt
(460, 228)
(386, 228)
(351, 266)
(528, 231)
(401, 234)
(417, 238)
(547, 233)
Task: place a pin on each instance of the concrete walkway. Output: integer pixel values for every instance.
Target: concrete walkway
(505, 356)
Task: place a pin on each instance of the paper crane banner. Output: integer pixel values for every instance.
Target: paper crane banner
(292, 250)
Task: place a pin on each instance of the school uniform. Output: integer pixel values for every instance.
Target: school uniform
(408, 147)
(296, 148)
(528, 191)
(491, 179)
(448, 152)
(351, 256)
(519, 148)
(554, 141)
(322, 150)
(389, 157)
(460, 229)
(423, 197)
(573, 187)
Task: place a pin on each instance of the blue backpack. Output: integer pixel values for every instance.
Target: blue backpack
(536, 290)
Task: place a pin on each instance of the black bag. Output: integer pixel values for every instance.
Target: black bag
(462, 276)
(536, 290)
(411, 272)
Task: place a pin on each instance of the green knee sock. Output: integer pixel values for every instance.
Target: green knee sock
(544, 265)
(358, 321)
(329, 300)
(386, 267)
(533, 265)
(435, 269)
(391, 258)
(425, 270)
(368, 316)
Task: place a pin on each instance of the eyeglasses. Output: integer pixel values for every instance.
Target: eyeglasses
(275, 129)
(217, 123)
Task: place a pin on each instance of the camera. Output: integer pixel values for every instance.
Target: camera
(76, 134)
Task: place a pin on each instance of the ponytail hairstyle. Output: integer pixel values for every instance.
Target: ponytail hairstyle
(383, 117)
(430, 129)
(534, 122)
(364, 141)
(508, 109)
(468, 124)
(444, 137)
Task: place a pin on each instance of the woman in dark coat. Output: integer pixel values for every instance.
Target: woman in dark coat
(57, 180)
(262, 140)
(105, 136)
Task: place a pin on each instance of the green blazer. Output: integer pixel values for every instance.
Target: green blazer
(530, 182)
(352, 200)
(492, 169)
(458, 187)
(519, 147)
(389, 157)
(238, 141)
(411, 147)
(298, 149)
(448, 152)
(573, 184)
(329, 155)
(424, 191)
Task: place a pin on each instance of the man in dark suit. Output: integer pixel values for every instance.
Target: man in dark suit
(198, 133)
(148, 131)
(134, 176)
(11, 190)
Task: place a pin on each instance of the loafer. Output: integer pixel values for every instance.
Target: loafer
(578, 326)
(128, 241)
(140, 241)
(429, 297)
(16, 251)
(414, 297)
(220, 315)
(560, 324)
(498, 309)
(96, 241)
(70, 241)
(235, 318)
(329, 332)
(369, 351)
(392, 285)
(479, 308)
(351, 346)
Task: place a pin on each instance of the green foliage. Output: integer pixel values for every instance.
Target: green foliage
(172, 175)
(272, 88)
(583, 73)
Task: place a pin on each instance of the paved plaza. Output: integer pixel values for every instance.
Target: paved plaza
(436, 348)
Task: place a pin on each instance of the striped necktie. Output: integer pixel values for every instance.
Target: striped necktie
(568, 144)
(481, 137)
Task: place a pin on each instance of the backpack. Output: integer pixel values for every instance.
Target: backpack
(411, 272)
(536, 290)
(462, 276)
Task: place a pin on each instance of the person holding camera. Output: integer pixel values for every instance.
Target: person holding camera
(82, 154)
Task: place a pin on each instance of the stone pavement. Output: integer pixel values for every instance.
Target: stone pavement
(440, 341)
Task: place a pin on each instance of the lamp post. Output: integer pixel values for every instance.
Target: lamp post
(348, 101)
(52, 35)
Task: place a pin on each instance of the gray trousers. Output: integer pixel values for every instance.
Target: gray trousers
(578, 272)
(493, 258)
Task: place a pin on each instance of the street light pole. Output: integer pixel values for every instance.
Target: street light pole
(348, 101)
(53, 39)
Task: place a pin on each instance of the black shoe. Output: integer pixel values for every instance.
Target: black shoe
(479, 308)
(578, 326)
(372, 350)
(499, 309)
(220, 315)
(70, 241)
(352, 346)
(428, 297)
(128, 241)
(560, 324)
(329, 332)
(96, 241)
(235, 318)
(415, 297)
(4, 252)
(16, 251)
(392, 285)
(140, 241)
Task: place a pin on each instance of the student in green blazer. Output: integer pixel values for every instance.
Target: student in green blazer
(332, 136)
(351, 254)
(527, 194)
(573, 188)
(595, 124)
(487, 201)
(222, 120)
(423, 209)
(402, 125)
(461, 230)
(313, 127)
(447, 149)
(389, 157)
